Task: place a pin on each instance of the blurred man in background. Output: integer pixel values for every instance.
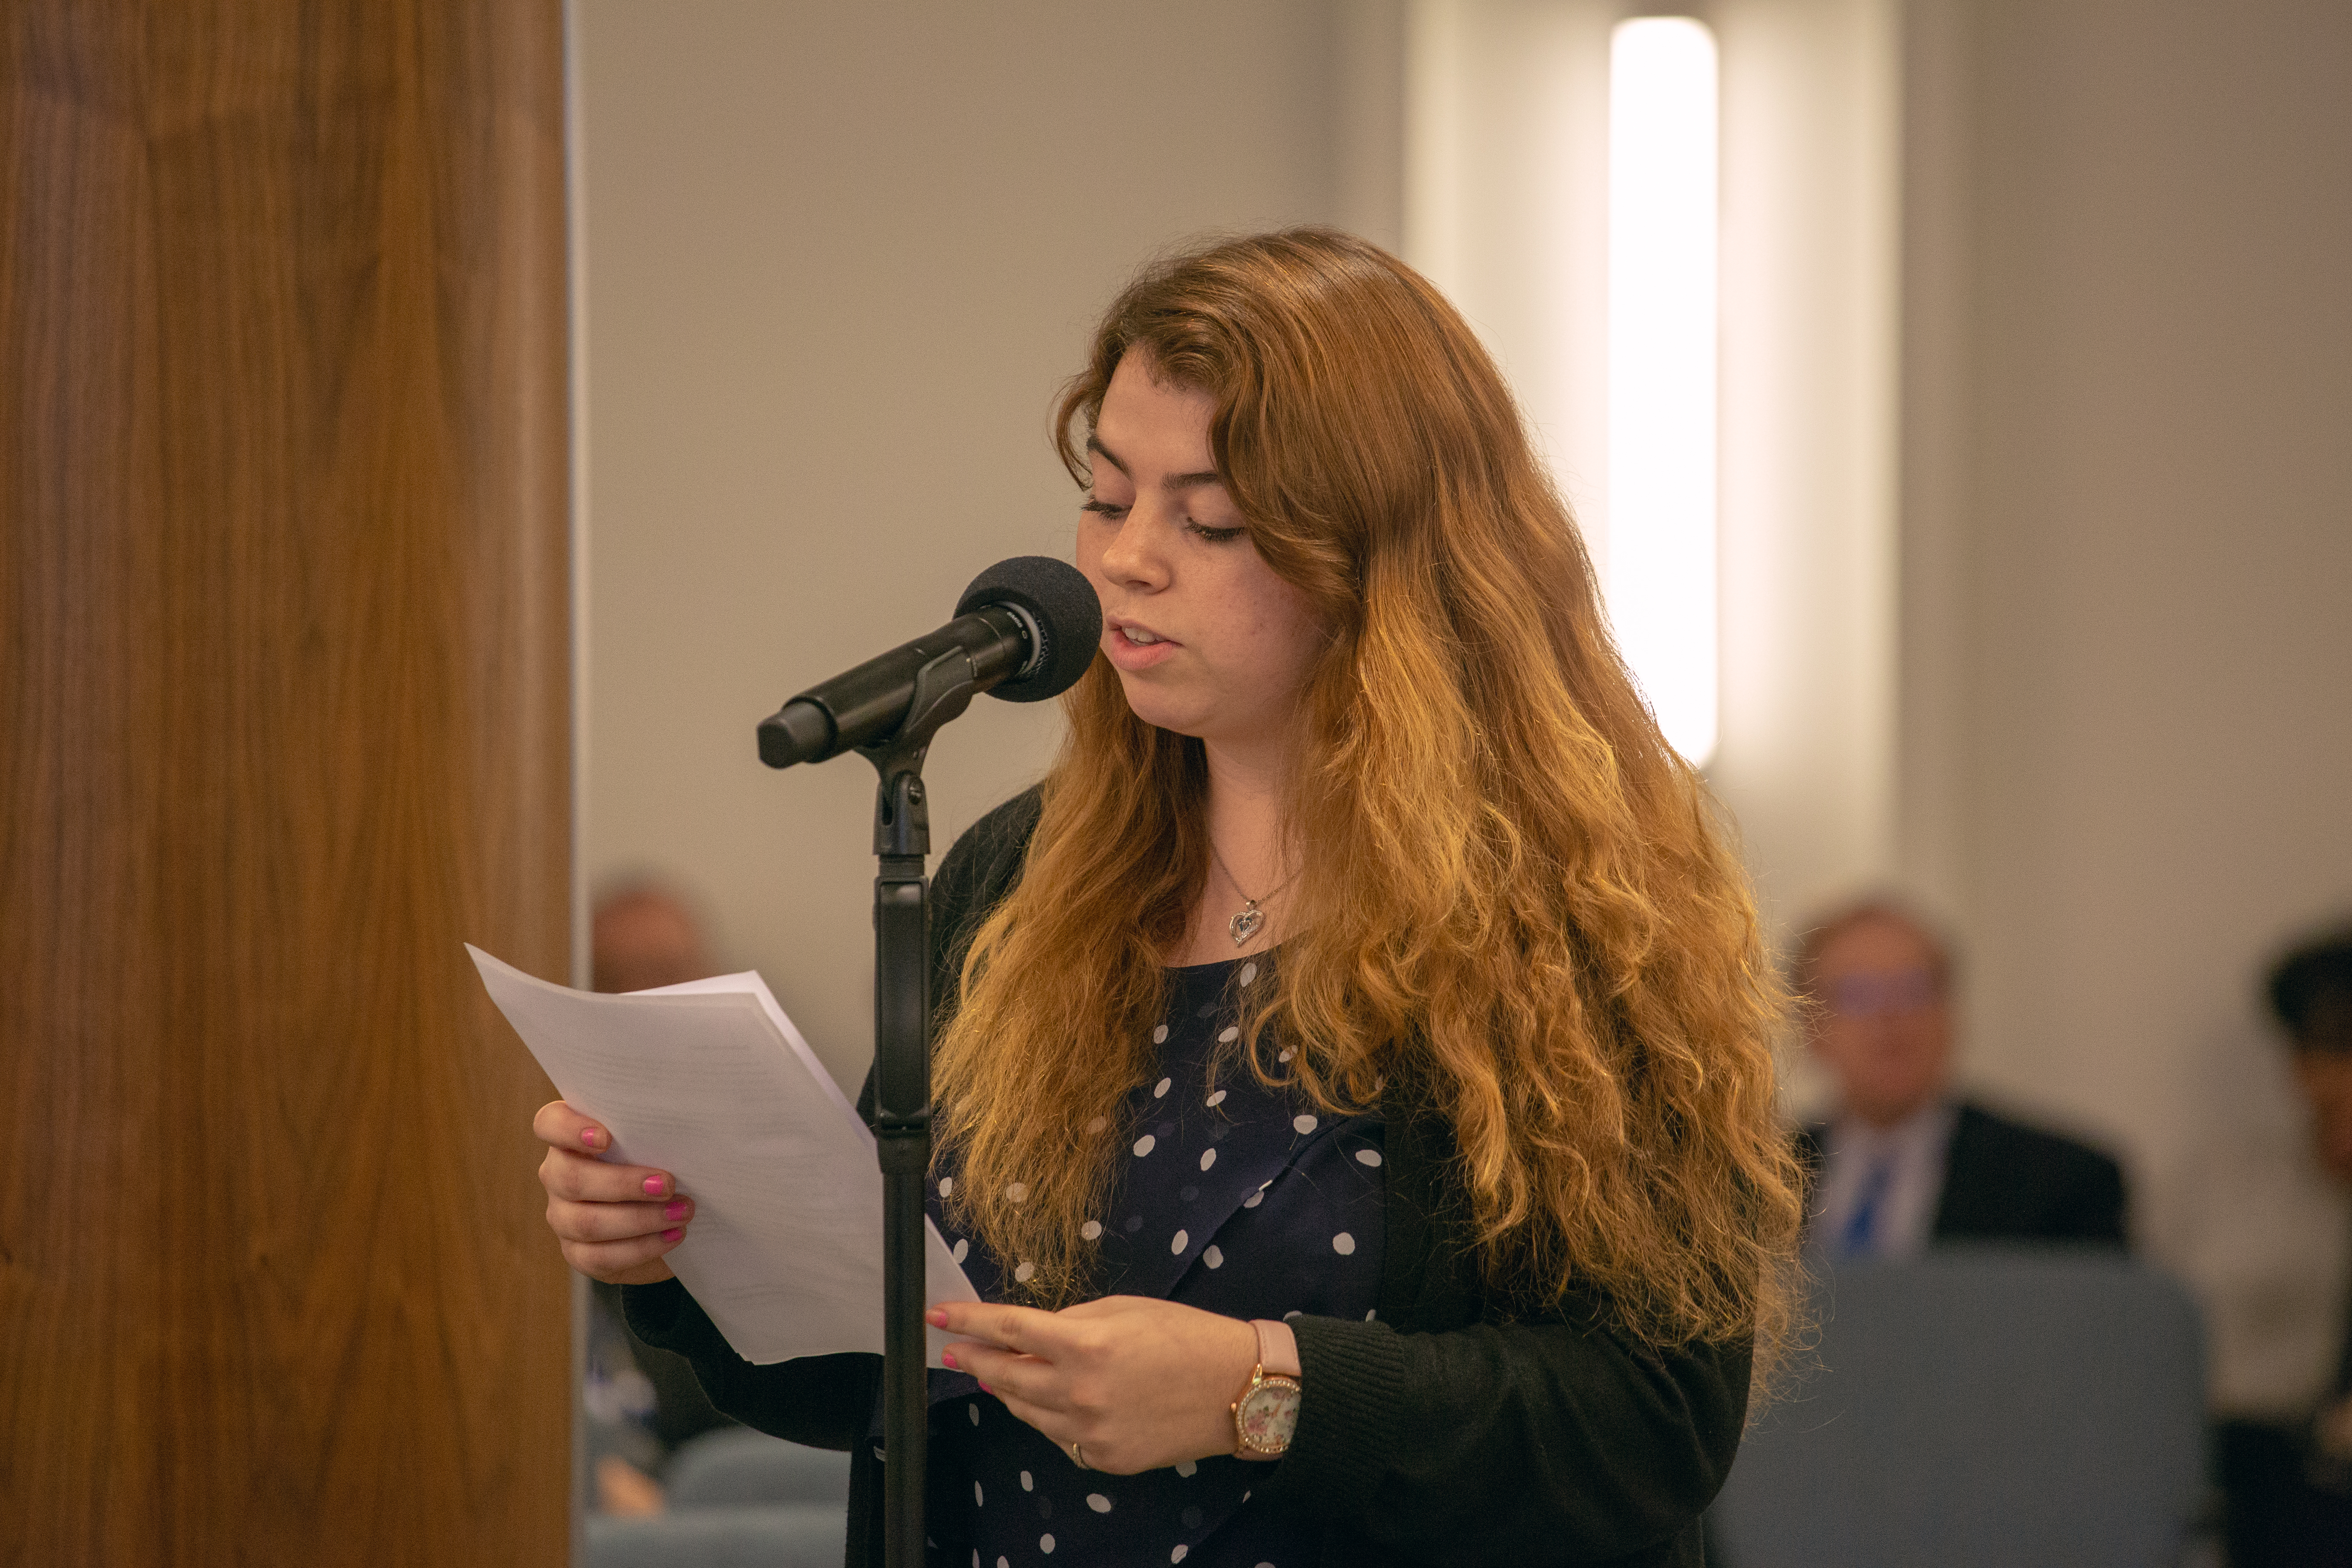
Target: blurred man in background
(2289, 1484)
(645, 935)
(1903, 1164)
(642, 1402)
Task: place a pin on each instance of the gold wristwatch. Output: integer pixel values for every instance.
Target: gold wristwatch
(1266, 1413)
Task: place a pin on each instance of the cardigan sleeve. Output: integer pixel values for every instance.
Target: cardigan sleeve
(1440, 1435)
(1522, 1442)
(824, 1401)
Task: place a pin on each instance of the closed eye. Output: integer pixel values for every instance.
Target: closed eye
(1104, 509)
(1216, 535)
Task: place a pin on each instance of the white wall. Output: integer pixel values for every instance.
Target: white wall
(1506, 209)
(838, 258)
(2128, 658)
(1810, 263)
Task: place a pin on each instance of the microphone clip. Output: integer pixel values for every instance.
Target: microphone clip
(902, 816)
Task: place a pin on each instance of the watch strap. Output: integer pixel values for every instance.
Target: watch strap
(1287, 1422)
(1277, 1348)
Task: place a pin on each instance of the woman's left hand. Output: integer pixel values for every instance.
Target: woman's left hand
(1135, 1382)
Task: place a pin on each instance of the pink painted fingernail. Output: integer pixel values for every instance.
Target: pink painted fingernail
(936, 1317)
(947, 1359)
(676, 1209)
(673, 1232)
(655, 1186)
(588, 1136)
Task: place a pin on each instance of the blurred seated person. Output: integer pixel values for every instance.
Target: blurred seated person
(642, 1402)
(2289, 1484)
(644, 935)
(1904, 1164)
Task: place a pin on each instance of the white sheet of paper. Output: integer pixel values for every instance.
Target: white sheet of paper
(711, 1082)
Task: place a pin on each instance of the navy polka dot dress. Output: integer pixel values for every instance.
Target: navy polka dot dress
(1232, 1198)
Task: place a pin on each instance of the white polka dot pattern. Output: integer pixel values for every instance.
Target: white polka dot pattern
(1015, 1190)
(962, 1249)
(1225, 1152)
(1249, 973)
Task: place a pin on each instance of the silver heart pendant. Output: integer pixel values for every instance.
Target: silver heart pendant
(1245, 925)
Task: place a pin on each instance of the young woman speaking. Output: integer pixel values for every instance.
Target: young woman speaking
(1355, 1091)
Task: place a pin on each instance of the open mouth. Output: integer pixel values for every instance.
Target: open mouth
(1134, 648)
(1135, 636)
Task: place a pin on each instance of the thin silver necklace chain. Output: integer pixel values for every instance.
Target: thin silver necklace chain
(1249, 918)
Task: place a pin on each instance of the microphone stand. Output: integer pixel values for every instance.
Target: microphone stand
(902, 1086)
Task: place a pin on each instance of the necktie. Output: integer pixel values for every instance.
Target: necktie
(1860, 1236)
(2344, 1356)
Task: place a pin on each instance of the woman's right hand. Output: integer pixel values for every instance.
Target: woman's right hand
(613, 1222)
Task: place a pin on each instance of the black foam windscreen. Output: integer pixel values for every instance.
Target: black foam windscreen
(1058, 598)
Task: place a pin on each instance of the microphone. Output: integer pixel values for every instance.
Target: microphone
(1026, 630)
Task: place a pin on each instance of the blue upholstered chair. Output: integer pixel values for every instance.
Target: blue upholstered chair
(1981, 1407)
(738, 1499)
(738, 1466)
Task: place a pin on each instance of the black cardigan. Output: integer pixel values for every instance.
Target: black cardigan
(1440, 1432)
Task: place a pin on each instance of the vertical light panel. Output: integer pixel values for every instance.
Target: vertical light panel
(1662, 369)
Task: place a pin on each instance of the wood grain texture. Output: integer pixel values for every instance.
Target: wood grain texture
(284, 676)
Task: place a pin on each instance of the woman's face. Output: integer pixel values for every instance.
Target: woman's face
(1207, 640)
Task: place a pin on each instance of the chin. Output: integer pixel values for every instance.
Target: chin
(1155, 709)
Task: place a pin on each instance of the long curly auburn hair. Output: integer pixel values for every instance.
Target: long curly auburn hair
(1515, 904)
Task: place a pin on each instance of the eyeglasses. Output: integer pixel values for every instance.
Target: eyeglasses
(1873, 995)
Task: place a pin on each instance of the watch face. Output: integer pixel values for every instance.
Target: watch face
(1269, 1414)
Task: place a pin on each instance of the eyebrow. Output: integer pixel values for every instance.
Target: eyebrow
(1175, 482)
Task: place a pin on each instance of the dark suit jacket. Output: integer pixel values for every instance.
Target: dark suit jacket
(2004, 1181)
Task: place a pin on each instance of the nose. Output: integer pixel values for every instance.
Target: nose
(1135, 557)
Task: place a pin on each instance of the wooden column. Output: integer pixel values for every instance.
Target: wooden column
(284, 677)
